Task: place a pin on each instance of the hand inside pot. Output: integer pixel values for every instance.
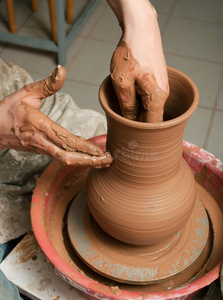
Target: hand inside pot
(138, 67)
(24, 127)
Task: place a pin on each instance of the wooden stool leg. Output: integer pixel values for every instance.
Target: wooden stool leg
(70, 11)
(53, 20)
(34, 4)
(11, 16)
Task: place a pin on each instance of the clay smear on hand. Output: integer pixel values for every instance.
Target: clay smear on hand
(46, 87)
(129, 79)
(28, 129)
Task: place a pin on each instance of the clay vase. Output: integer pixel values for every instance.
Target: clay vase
(148, 193)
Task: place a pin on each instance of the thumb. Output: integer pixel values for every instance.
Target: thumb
(33, 93)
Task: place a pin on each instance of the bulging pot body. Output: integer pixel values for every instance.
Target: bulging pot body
(148, 193)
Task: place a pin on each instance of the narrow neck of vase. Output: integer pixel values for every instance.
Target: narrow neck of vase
(143, 153)
(149, 149)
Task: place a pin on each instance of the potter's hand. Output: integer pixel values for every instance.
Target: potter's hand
(138, 63)
(24, 127)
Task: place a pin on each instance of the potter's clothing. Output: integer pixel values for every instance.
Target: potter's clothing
(7, 289)
(19, 170)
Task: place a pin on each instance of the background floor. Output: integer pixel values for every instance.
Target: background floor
(192, 34)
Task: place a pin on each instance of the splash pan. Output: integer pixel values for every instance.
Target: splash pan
(52, 197)
(137, 264)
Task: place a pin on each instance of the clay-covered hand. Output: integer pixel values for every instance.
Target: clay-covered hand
(24, 127)
(138, 67)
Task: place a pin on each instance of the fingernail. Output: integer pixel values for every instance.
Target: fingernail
(97, 167)
(58, 72)
(55, 72)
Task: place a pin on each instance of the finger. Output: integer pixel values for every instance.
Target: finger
(153, 98)
(122, 66)
(49, 85)
(73, 158)
(33, 93)
(127, 99)
(71, 142)
(58, 135)
(38, 144)
(154, 106)
(80, 159)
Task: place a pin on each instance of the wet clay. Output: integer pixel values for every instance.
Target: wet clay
(48, 86)
(28, 129)
(132, 79)
(148, 193)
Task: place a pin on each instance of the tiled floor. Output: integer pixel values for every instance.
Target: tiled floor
(192, 33)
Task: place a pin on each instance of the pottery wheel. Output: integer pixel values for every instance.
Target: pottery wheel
(135, 264)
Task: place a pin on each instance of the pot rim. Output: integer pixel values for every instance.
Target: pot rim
(143, 125)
